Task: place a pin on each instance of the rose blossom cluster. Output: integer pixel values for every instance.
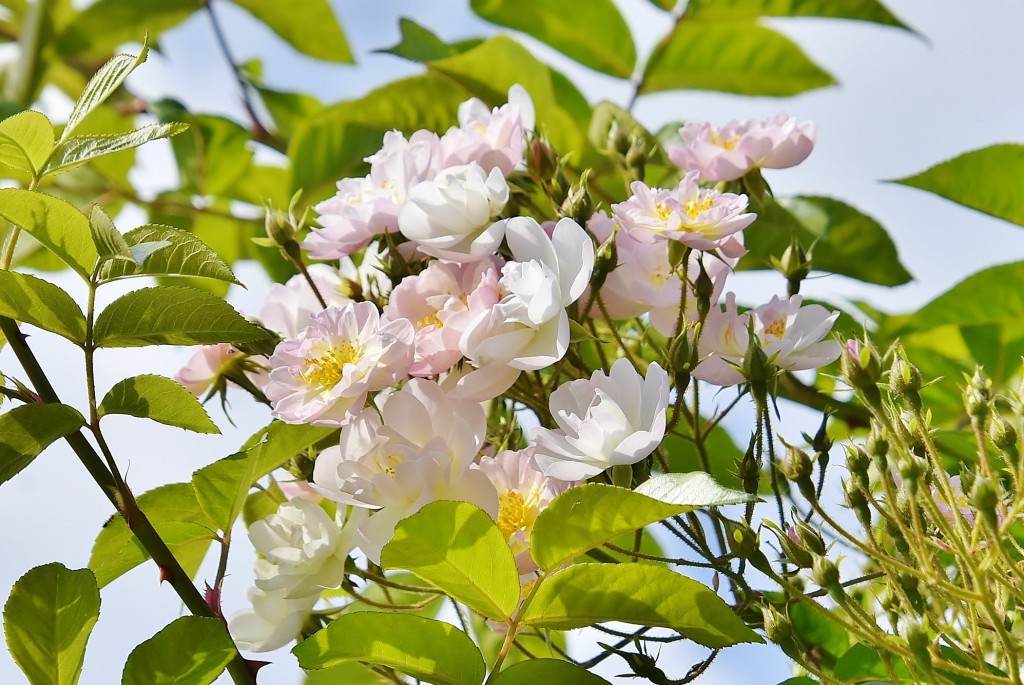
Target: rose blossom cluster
(410, 375)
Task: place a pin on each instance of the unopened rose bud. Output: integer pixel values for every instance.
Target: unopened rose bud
(606, 258)
(878, 447)
(985, 499)
(905, 381)
(636, 155)
(912, 471)
(541, 160)
(703, 288)
(793, 550)
(798, 468)
(978, 395)
(683, 357)
(777, 626)
(826, 574)
(742, 540)
(577, 205)
(911, 588)
(1003, 434)
(858, 462)
(748, 468)
(861, 367)
(920, 645)
(795, 265)
(757, 368)
(618, 138)
(809, 537)
(858, 502)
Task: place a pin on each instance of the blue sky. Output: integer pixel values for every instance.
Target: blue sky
(903, 105)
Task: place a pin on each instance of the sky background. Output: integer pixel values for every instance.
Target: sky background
(903, 104)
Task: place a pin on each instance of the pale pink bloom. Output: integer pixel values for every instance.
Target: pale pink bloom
(697, 217)
(523, 492)
(494, 139)
(303, 549)
(718, 267)
(792, 337)
(205, 365)
(418, 448)
(366, 207)
(272, 622)
(289, 305)
(529, 328)
(323, 376)
(299, 489)
(452, 216)
(729, 152)
(609, 420)
(441, 301)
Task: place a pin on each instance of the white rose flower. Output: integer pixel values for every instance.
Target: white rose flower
(304, 549)
(528, 328)
(605, 421)
(273, 621)
(451, 216)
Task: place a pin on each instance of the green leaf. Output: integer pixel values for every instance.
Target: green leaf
(349, 673)
(985, 180)
(212, 155)
(177, 518)
(160, 399)
(816, 630)
(733, 57)
(422, 45)
(593, 33)
(221, 488)
(53, 222)
(458, 548)
(308, 26)
(40, 303)
(696, 489)
(101, 86)
(94, 33)
(721, 451)
(80, 149)
(546, 671)
(730, 10)
(586, 517)
(289, 111)
(110, 244)
(26, 140)
(27, 430)
(993, 295)
(167, 251)
(191, 649)
(171, 315)
(432, 651)
(47, 622)
(861, 663)
(840, 238)
(585, 594)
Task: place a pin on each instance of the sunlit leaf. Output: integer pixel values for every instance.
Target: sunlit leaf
(432, 651)
(985, 180)
(308, 26)
(992, 295)
(159, 399)
(103, 83)
(48, 619)
(423, 45)
(167, 251)
(170, 315)
(81, 149)
(588, 516)
(730, 10)
(584, 594)
(177, 518)
(191, 649)
(546, 671)
(222, 487)
(733, 57)
(458, 548)
(27, 430)
(593, 33)
(34, 301)
(55, 223)
(840, 239)
(26, 140)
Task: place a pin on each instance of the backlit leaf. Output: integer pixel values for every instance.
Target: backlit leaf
(159, 399)
(81, 149)
(190, 650)
(26, 140)
(54, 223)
(308, 26)
(34, 301)
(27, 430)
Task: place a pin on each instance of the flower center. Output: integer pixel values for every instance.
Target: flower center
(429, 320)
(724, 143)
(326, 370)
(698, 206)
(663, 210)
(776, 328)
(513, 513)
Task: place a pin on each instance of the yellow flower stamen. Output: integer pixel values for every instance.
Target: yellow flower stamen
(776, 328)
(326, 370)
(513, 514)
(698, 206)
